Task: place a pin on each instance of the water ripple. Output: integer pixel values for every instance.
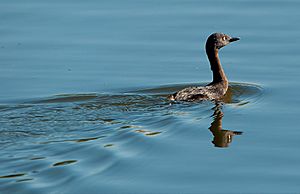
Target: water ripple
(89, 134)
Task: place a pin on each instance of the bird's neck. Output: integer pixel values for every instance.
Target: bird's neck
(215, 64)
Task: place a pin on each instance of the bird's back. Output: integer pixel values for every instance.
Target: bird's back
(209, 92)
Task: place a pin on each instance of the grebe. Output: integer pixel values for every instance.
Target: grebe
(218, 87)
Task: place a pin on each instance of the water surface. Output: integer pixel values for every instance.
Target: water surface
(83, 105)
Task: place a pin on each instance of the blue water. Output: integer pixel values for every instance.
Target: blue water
(83, 105)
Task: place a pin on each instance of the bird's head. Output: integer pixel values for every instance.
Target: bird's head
(219, 40)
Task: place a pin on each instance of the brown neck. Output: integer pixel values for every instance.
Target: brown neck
(216, 67)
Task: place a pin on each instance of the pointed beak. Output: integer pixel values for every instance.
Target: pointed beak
(234, 39)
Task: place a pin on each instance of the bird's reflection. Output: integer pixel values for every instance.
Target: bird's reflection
(222, 137)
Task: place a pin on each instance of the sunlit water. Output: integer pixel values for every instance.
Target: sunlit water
(83, 105)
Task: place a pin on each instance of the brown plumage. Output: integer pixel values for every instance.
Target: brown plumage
(218, 87)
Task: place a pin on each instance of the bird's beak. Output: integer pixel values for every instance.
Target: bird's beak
(234, 39)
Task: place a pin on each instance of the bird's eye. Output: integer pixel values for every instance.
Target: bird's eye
(224, 38)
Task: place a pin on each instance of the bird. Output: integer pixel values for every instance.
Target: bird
(219, 85)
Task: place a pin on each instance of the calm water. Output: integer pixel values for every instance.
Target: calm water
(83, 105)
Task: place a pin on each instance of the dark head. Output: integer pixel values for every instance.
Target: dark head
(218, 40)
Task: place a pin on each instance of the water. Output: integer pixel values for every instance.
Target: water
(83, 105)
